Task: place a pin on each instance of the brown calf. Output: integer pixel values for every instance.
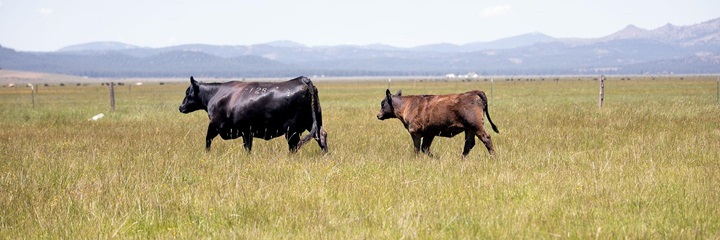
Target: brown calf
(427, 116)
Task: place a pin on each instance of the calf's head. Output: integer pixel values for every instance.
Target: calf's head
(191, 102)
(387, 110)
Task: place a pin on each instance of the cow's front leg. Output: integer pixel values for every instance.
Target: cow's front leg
(426, 142)
(247, 141)
(212, 132)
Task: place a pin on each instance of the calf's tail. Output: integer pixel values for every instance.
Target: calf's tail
(485, 109)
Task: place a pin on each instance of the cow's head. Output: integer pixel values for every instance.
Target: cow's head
(386, 106)
(191, 102)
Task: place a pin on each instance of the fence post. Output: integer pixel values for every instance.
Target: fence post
(32, 93)
(112, 96)
(602, 90)
(492, 89)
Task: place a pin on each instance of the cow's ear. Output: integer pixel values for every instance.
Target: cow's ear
(195, 86)
(387, 93)
(399, 93)
(193, 82)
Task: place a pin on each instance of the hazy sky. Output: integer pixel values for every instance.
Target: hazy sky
(45, 25)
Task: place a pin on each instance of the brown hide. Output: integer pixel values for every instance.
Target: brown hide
(427, 116)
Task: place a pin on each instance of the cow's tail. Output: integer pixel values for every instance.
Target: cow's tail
(316, 131)
(485, 109)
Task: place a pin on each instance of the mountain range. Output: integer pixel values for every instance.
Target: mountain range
(692, 49)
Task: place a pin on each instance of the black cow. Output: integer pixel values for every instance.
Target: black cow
(259, 109)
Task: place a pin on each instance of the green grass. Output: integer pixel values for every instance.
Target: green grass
(646, 165)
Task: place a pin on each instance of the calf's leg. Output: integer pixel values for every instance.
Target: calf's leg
(416, 143)
(475, 127)
(469, 142)
(485, 138)
(426, 142)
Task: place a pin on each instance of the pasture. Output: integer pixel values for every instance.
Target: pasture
(646, 165)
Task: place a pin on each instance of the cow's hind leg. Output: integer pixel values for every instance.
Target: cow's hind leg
(426, 142)
(322, 140)
(293, 139)
(469, 142)
(247, 141)
(212, 132)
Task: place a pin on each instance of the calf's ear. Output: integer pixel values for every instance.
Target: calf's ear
(388, 96)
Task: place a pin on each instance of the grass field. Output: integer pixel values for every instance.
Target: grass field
(646, 165)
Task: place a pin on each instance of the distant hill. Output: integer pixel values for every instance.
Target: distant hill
(523, 40)
(693, 49)
(98, 46)
(706, 33)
